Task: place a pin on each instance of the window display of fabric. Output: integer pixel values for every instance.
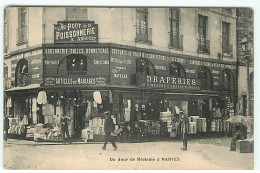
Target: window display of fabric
(24, 120)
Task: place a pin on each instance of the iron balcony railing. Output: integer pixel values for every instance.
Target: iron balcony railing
(176, 41)
(22, 35)
(204, 46)
(227, 50)
(143, 36)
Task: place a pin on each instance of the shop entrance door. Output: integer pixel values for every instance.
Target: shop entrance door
(205, 109)
(79, 120)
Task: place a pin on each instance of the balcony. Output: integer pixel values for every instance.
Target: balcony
(22, 35)
(204, 47)
(7, 83)
(143, 36)
(176, 41)
(227, 50)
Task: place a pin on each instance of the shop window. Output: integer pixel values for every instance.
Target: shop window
(143, 33)
(203, 43)
(175, 37)
(76, 65)
(145, 66)
(77, 13)
(177, 70)
(22, 31)
(226, 46)
(205, 76)
(228, 82)
(21, 73)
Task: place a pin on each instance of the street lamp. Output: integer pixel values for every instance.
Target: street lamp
(245, 47)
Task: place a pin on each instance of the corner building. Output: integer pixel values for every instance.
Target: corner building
(143, 64)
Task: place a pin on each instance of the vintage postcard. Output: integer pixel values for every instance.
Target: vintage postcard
(94, 88)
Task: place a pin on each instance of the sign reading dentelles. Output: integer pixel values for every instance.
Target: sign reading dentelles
(76, 32)
(167, 82)
(74, 81)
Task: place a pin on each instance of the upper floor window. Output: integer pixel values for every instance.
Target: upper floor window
(145, 66)
(203, 45)
(175, 37)
(77, 13)
(22, 31)
(205, 76)
(143, 33)
(226, 46)
(21, 73)
(177, 70)
(228, 81)
(6, 42)
(76, 65)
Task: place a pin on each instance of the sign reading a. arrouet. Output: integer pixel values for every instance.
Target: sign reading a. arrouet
(74, 81)
(76, 32)
(167, 82)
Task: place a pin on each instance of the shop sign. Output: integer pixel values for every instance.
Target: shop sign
(75, 81)
(76, 32)
(167, 82)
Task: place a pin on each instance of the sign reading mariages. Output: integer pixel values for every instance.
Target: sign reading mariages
(74, 81)
(167, 82)
(76, 32)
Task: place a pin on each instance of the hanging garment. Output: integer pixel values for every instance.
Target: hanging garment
(42, 97)
(110, 97)
(97, 97)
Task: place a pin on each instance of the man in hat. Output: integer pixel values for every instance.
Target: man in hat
(6, 127)
(64, 128)
(185, 128)
(109, 127)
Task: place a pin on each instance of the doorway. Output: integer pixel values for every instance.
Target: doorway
(79, 120)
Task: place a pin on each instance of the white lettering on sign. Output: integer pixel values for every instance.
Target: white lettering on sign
(215, 72)
(157, 67)
(51, 62)
(190, 71)
(101, 62)
(121, 61)
(122, 76)
(170, 80)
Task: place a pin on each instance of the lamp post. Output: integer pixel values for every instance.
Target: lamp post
(246, 49)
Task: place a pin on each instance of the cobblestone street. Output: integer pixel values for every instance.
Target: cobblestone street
(19, 154)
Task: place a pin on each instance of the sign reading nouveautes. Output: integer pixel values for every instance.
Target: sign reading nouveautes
(76, 32)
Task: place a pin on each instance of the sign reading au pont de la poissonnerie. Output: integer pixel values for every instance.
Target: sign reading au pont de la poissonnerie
(167, 82)
(76, 32)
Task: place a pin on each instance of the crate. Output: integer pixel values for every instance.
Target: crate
(245, 146)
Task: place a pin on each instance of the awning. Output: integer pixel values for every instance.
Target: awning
(28, 87)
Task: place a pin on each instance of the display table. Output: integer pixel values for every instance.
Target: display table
(245, 146)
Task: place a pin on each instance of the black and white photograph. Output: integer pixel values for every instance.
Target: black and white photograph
(128, 88)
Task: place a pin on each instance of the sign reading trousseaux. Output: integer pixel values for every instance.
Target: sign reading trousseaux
(76, 32)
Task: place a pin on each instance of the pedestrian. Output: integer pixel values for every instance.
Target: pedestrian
(109, 127)
(236, 137)
(185, 129)
(64, 128)
(6, 127)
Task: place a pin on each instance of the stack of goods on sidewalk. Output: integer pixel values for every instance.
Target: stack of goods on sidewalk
(46, 132)
(166, 119)
(18, 129)
(220, 125)
(95, 130)
(201, 125)
(193, 124)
